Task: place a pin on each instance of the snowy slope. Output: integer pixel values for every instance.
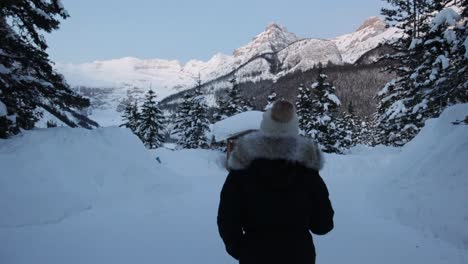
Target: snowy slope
(368, 36)
(80, 196)
(431, 180)
(51, 175)
(305, 54)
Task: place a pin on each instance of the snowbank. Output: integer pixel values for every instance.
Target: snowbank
(237, 123)
(51, 174)
(426, 185)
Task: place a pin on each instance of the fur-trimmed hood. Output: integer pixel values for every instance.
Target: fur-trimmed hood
(259, 145)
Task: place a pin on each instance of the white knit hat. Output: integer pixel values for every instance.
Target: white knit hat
(280, 120)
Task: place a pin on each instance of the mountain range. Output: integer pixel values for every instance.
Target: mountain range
(270, 55)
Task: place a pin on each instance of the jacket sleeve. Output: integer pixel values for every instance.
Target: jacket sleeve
(322, 215)
(229, 215)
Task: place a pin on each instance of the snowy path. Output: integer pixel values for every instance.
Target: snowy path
(176, 224)
(360, 234)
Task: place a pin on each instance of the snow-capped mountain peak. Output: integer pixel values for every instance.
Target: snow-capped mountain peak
(274, 38)
(368, 36)
(376, 23)
(109, 82)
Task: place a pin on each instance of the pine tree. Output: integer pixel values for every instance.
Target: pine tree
(234, 103)
(221, 111)
(131, 116)
(304, 102)
(150, 125)
(182, 117)
(28, 83)
(192, 122)
(428, 74)
(327, 126)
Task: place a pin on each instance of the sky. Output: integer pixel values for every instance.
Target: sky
(192, 29)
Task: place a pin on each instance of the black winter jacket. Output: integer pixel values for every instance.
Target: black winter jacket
(272, 197)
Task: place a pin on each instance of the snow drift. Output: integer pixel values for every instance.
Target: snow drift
(426, 185)
(81, 196)
(48, 175)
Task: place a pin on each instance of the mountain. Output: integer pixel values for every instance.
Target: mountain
(270, 55)
(368, 36)
(274, 38)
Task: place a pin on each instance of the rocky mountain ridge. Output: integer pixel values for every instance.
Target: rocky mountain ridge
(272, 54)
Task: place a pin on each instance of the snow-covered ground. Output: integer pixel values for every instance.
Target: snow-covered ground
(80, 196)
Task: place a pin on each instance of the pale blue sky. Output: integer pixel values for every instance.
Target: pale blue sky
(192, 29)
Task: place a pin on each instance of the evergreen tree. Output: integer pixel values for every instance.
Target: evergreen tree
(430, 72)
(221, 111)
(304, 103)
(150, 125)
(131, 116)
(28, 83)
(327, 126)
(351, 108)
(192, 122)
(234, 103)
(182, 117)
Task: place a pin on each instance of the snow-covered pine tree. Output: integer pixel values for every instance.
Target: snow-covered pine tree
(196, 134)
(271, 99)
(192, 122)
(327, 126)
(426, 73)
(182, 120)
(234, 103)
(220, 112)
(435, 79)
(131, 116)
(457, 79)
(29, 85)
(304, 102)
(150, 127)
(394, 124)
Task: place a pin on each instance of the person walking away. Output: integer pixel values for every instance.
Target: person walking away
(273, 196)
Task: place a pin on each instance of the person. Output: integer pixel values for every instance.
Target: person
(273, 195)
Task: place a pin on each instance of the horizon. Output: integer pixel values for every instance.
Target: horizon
(103, 39)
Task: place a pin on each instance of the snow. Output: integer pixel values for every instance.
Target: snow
(421, 105)
(396, 109)
(367, 37)
(274, 38)
(51, 175)
(386, 87)
(81, 196)
(3, 109)
(237, 123)
(443, 61)
(47, 116)
(305, 54)
(62, 8)
(447, 16)
(4, 70)
(431, 180)
(414, 43)
(333, 98)
(450, 36)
